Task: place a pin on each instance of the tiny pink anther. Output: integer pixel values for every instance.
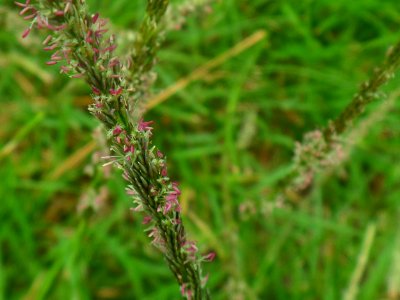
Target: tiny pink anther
(26, 32)
(96, 90)
(116, 92)
(47, 40)
(109, 49)
(95, 18)
(117, 130)
(20, 4)
(113, 63)
(146, 220)
(50, 48)
(64, 69)
(209, 257)
(30, 16)
(23, 11)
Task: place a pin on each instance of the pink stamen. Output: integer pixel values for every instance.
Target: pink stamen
(117, 130)
(146, 220)
(26, 32)
(50, 48)
(113, 63)
(64, 69)
(47, 40)
(20, 4)
(100, 32)
(61, 27)
(41, 23)
(25, 10)
(88, 37)
(116, 92)
(95, 18)
(30, 16)
(109, 49)
(144, 126)
(209, 257)
(96, 90)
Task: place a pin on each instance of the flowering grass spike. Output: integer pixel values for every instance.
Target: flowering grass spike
(82, 49)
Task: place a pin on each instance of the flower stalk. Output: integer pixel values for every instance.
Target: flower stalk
(368, 92)
(79, 42)
(322, 149)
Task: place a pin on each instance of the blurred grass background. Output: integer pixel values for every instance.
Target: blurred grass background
(66, 229)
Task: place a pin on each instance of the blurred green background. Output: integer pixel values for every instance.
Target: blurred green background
(66, 231)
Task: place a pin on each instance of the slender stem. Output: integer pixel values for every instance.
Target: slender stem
(368, 92)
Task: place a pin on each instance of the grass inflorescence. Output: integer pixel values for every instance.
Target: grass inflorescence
(230, 123)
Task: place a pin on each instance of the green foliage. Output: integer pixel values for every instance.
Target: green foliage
(229, 138)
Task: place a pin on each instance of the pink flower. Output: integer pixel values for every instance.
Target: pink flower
(144, 126)
(59, 13)
(50, 48)
(113, 62)
(21, 4)
(109, 49)
(95, 18)
(130, 148)
(116, 92)
(88, 37)
(167, 207)
(31, 16)
(192, 248)
(209, 257)
(164, 172)
(117, 130)
(25, 9)
(171, 197)
(96, 90)
(100, 32)
(146, 220)
(176, 188)
(26, 32)
(56, 56)
(171, 201)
